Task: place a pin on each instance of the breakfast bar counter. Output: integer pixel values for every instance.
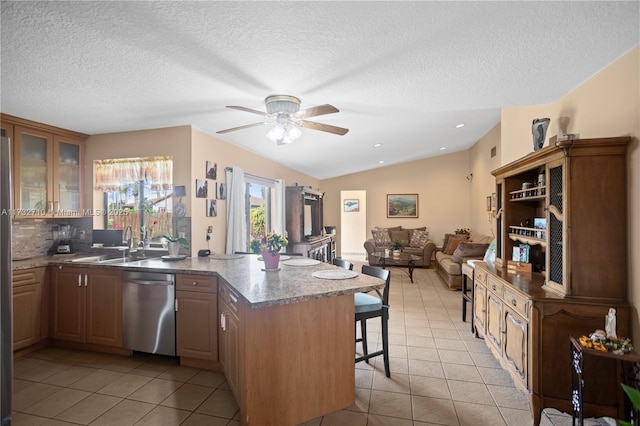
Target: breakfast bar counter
(286, 338)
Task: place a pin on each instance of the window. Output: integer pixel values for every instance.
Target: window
(137, 192)
(259, 193)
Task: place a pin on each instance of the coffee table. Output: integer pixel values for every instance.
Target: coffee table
(402, 259)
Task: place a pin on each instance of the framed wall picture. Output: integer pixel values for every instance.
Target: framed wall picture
(351, 205)
(202, 188)
(212, 170)
(402, 205)
(212, 208)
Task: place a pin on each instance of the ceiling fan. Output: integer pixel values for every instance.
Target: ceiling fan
(284, 111)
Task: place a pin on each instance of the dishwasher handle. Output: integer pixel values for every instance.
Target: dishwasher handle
(148, 282)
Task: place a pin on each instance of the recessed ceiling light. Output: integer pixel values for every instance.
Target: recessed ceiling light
(377, 145)
(442, 148)
(381, 162)
(459, 125)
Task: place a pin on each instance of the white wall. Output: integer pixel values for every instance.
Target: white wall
(353, 225)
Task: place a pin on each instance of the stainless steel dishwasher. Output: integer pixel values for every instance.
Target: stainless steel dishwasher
(148, 314)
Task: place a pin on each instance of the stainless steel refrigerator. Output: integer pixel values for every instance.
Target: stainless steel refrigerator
(6, 315)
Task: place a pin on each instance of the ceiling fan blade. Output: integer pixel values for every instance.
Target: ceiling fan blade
(246, 126)
(323, 127)
(317, 110)
(241, 108)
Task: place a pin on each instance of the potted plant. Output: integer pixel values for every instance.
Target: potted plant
(396, 246)
(175, 243)
(271, 244)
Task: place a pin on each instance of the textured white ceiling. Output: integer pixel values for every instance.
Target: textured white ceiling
(402, 73)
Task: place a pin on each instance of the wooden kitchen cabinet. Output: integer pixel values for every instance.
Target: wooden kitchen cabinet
(228, 337)
(197, 320)
(87, 305)
(48, 165)
(27, 307)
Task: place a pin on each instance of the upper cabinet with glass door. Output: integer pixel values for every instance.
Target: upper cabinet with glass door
(48, 167)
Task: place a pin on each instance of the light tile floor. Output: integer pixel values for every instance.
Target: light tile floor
(440, 375)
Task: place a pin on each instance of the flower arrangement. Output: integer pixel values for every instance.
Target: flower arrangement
(465, 231)
(273, 242)
(600, 342)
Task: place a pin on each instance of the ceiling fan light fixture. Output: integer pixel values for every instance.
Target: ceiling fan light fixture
(276, 133)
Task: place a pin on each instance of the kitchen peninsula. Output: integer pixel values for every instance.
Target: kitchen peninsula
(291, 335)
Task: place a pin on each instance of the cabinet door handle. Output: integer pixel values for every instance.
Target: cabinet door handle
(175, 305)
(514, 302)
(194, 283)
(79, 280)
(86, 278)
(223, 324)
(493, 287)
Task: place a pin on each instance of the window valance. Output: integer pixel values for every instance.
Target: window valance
(115, 174)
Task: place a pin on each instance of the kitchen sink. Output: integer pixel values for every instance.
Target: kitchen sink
(109, 260)
(90, 259)
(116, 260)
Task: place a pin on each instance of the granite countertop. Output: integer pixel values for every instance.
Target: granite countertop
(243, 273)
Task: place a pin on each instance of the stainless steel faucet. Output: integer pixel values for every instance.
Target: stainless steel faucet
(128, 231)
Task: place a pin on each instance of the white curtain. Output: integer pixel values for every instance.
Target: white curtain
(278, 212)
(236, 211)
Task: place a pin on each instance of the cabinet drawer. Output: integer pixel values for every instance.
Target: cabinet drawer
(516, 301)
(27, 277)
(229, 297)
(494, 286)
(201, 283)
(480, 275)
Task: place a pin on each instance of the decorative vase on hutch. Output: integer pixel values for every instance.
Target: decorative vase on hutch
(271, 260)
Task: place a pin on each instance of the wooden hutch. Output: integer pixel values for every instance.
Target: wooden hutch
(304, 224)
(577, 191)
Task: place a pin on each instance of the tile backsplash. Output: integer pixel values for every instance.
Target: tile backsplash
(34, 237)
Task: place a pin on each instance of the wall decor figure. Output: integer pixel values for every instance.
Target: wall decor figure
(539, 130)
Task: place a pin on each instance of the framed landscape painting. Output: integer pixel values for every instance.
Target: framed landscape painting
(402, 205)
(352, 205)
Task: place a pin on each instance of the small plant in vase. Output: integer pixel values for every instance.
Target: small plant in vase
(175, 243)
(271, 244)
(396, 246)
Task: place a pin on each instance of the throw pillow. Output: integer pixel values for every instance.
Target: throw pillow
(394, 228)
(419, 238)
(464, 237)
(381, 237)
(452, 245)
(402, 235)
(465, 249)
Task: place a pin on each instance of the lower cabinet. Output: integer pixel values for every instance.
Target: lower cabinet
(27, 307)
(87, 305)
(528, 329)
(197, 319)
(229, 338)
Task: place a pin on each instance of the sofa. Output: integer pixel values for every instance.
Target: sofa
(416, 241)
(456, 250)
